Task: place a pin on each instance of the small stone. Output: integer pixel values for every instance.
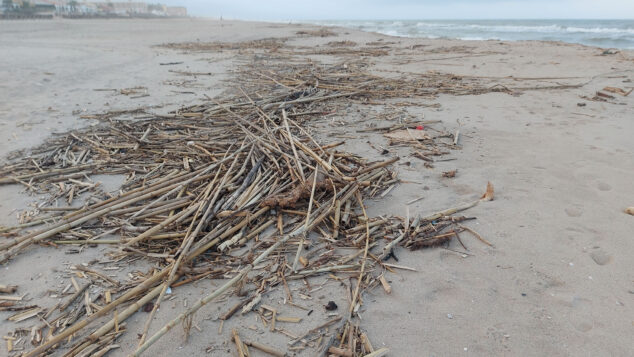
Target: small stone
(330, 306)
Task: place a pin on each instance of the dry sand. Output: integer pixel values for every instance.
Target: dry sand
(560, 279)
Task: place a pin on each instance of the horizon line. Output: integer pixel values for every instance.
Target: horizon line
(218, 17)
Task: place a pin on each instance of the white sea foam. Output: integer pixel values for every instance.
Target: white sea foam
(602, 33)
(514, 28)
(469, 38)
(605, 30)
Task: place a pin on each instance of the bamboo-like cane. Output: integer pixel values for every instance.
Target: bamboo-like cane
(300, 247)
(105, 310)
(189, 238)
(169, 162)
(25, 241)
(351, 189)
(290, 139)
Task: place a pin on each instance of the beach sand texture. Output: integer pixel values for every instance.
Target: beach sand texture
(559, 280)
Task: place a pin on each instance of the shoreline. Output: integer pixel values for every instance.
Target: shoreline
(562, 247)
(334, 26)
(500, 29)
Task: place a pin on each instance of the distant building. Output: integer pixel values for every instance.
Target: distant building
(157, 9)
(43, 7)
(178, 11)
(32, 7)
(123, 8)
(80, 8)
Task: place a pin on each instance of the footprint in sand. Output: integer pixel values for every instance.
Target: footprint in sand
(600, 257)
(583, 326)
(573, 212)
(602, 186)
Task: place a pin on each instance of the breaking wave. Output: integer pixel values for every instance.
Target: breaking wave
(601, 33)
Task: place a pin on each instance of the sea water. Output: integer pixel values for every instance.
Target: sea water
(600, 33)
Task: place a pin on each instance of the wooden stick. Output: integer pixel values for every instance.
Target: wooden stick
(385, 284)
(290, 139)
(238, 342)
(264, 348)
(366, 343)
(183, 214)
(355, 295)
(378, 353)
(305, 273)
(8, 289)
(77, 294)
(335, 226)
(476, 235)
(316, 157)
(227, 315)
(300, 247)
(340, 351)
(377, 166)
(313, 330)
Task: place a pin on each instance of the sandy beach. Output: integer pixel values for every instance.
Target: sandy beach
(558, 279)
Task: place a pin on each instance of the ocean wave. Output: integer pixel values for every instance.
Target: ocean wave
(491, 28)
(472, 38)
(602, 33)
(390, 32)
(524, 28)
(611, 30)
(622, 41)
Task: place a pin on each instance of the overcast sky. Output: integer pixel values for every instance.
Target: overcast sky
(408, 9)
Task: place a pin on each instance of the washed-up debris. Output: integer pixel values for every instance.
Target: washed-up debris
(331, 305)
(630, 210)
(8, 289)
(346, 43)
(191, 187)
(610, 51)
(450, 174)
(21, 316)
(406, 135)
(133, 90)
(603, 96)
(489, 194)
(619, 91)
(322, 32)
(233, 188)
(267, 43)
